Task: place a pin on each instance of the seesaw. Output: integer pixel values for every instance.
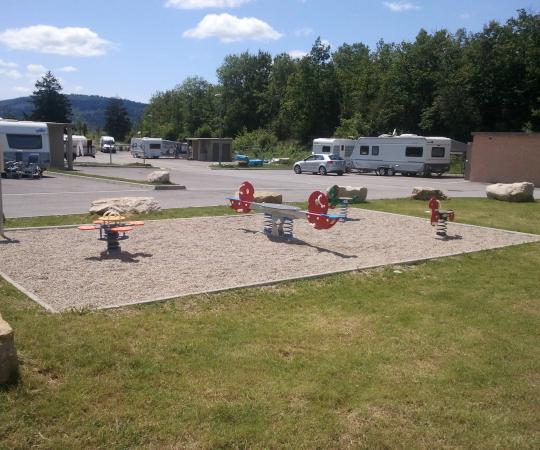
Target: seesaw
(112, 228)
(279, 219)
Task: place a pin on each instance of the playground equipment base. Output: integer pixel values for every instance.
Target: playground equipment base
(64, 269)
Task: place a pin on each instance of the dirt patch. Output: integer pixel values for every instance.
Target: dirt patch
(65, 268)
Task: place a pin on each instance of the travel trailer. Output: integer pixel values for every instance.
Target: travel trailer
(26, 142)
(408, 154)
(79, 146)
(107, 144)
(338, 147)
(153, 147)
(146, 147)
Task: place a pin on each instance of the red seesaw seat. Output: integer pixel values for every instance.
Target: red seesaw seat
(87, 227)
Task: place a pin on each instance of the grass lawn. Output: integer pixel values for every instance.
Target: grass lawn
(443, 354)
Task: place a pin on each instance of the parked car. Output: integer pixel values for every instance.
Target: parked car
(321, 164)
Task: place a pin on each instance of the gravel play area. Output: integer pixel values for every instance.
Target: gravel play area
(67, 268)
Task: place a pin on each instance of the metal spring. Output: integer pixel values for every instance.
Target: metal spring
(343, 210)
(442, 227)
(267, 227)
(287, 228)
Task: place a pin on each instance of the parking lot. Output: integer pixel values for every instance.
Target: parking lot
(59, 194)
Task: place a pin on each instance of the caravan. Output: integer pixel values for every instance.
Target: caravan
(147, 147)
(25, 142)
(408, 154)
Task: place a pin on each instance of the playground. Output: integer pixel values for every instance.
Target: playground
(65, 268)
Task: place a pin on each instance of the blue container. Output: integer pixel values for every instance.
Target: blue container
(255, 162)
(240, 158)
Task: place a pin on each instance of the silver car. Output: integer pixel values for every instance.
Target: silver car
(321, 164)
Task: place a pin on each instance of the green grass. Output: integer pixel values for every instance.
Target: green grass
(443, 354)
(524, 217)
(76, 219)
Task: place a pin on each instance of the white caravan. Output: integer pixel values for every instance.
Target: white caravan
(25, 141)
(338, 147)
(408, 154)
(153, 147)
(146, 147)
(79, 145)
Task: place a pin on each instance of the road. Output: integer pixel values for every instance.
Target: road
(59, 194)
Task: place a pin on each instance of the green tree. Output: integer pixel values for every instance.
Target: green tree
(117, 122)
(50, 105)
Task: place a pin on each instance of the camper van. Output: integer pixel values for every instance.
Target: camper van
(408, 154)
(146, 147)
(26, 142)
(107, 144)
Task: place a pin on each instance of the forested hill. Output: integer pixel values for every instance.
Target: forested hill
(86, 108)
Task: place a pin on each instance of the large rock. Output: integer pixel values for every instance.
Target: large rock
(159, 176)
(357, 194)
(514, 192)
(124, 205)
(268, 197)
(425, 193)
(9, 365)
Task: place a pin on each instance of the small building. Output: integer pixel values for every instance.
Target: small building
(504, 157)
(210, 149)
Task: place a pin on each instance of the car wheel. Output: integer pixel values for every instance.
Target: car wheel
(322, 170)
(382, 171)
(297, 169)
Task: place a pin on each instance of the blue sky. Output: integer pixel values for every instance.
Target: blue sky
(134, 48)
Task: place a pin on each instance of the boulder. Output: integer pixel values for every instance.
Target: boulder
(159, 176)
(124, 205)
(425, 193)
(9, 365)
(513, 192)
(357, 194)
(268, 197)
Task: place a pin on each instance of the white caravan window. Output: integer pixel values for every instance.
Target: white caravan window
(24, 141)
(437, 152)
(364, 149)
(414, 152)
(326, 149)
(155, 146)
(375, 150)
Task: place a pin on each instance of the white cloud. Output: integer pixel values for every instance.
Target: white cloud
(297, 54)
(67, 69)
(400, 6)
(306, 31)
(22, 89)
(37, 69)
(200, 4)
(231, 28)
(465, 16)
(69, 41)
(11, 73)
(8, 64)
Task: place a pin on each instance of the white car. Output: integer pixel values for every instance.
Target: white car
(321, 164)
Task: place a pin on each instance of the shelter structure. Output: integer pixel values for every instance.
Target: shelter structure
(504, 157)
(57, 146)
(210, 149)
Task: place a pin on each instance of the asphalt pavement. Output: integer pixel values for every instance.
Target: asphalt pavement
(59, 194)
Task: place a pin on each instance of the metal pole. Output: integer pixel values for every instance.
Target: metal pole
(1, 204)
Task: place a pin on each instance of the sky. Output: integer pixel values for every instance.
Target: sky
(135, 48)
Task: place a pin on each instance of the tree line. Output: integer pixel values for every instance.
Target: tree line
(442, 83)
(50, 105)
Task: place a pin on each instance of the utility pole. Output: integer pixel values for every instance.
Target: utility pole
(220, 126)
(1, 204)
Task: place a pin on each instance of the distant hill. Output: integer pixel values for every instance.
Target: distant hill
(86, 108)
